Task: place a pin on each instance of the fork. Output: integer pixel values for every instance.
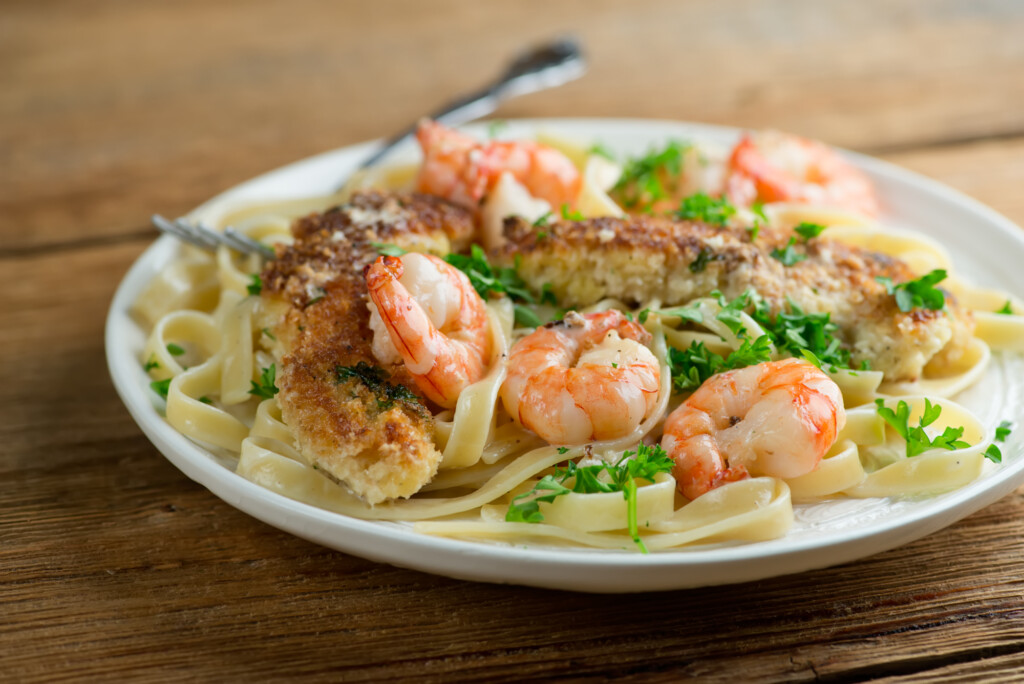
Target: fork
(543, 67)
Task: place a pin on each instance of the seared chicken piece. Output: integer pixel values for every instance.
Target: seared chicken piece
(641, 258)
(363, 425)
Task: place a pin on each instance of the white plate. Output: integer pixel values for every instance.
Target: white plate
(986, 247)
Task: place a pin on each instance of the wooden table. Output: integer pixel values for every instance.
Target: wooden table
(115, 565)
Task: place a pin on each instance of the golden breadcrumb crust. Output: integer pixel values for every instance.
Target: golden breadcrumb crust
(644, 258)
(314, 299)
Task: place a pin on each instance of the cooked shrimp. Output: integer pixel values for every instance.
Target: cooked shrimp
(463, 170)
(776, 418)
(775, 167)
(427, 314)
(582, 379)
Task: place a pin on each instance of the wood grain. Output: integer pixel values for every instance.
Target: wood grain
(120, 110)
(113, 565)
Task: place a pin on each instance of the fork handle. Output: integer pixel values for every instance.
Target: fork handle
(546, 66)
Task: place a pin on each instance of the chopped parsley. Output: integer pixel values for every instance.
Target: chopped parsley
(788, 256)
(916, 438)
(992, 452)
(692, 366)
(702, 207)
(809, 230)
(643, 464)
(319, 293)
(650, 178)
(150, 364)
(161, 386)
(526, 317)
(601, 151)
(760, 218)
(388, 249)
(920, 293)
(266, 331)
(265, 388)
(1007, 309)
(543, 220)
(256, 284)
(375, 379)
(205, 400)
(571, 215)
(494, 128)
(175, 350)
(796, 331)
(731, 312)
(547, 295)
(487, 280)
(701, 262)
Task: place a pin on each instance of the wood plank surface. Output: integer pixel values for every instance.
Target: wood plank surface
(119, 110)
(113, 565)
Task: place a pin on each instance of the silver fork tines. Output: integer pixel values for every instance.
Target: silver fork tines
(206, 238)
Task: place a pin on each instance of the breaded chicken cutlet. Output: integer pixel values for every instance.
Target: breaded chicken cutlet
(363, 425)
(643, 258)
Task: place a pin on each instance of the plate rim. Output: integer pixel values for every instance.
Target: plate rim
(570, 569)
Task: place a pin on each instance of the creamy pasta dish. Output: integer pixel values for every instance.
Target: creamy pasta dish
(538, 341)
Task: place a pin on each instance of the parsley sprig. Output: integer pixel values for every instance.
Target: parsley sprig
(809, 230)
(796, 331)
(376, 380)
(787, 255)
(692, 366)
(643, 464)
(920, 293)
(702, 207)
(265, 388)
(992, 452)
(255, 285)
(916, 437)
(650, 178)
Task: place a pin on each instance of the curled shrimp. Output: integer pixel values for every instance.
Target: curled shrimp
(776, 167)
(582, 379)
(426, 313)
(777, 418)
(463, 170)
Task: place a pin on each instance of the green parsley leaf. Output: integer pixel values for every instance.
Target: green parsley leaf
(256, 286)
(701, 207)
(796, 331)
(495, 127)
(809, 230)
(205, 400)
(993, 454)
(175, 350)
(650, 178)
(161, 386)
(692, 366)
(150, 364)
(543, 220)
(487, 280)
(788, 256)
(526, 317)
(1004, 430)
(571, 215)
(563, 450)
(917, 294)
(547, 295)
(600, 150)
(643, 464)
(701, 262)
(320, 293)
(376, 379)
(731, 312)
(266, 331)
(916, 438)
(265, 389)
(388, 249)
(1007, 309)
